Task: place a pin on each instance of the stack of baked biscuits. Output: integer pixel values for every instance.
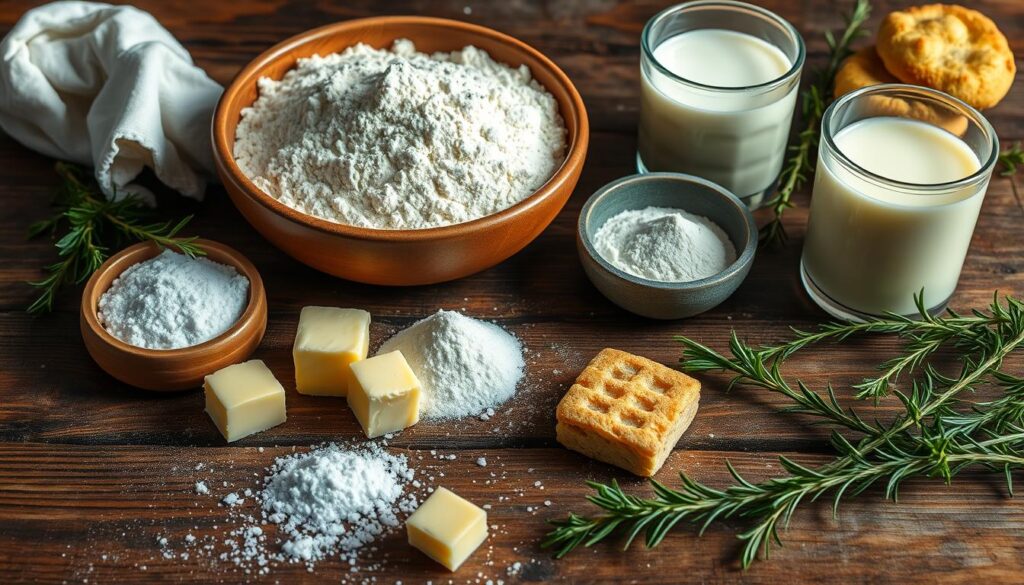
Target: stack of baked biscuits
(946, 47)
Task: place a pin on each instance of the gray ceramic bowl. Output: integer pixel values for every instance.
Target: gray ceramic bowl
(666, 300)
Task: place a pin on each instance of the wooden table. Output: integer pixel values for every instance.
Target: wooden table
(93, 472)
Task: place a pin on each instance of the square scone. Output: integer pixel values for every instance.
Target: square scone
(328, 340)
(627, 410)
(244, 399)
(384, 394)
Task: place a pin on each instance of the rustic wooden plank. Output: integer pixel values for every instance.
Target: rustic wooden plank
(52, 371)
(84, 459)
(544, 280)
(595, 41)
(541, 295)
(100, 519)
(610, 79)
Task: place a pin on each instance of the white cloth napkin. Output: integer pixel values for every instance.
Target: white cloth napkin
(108, 86)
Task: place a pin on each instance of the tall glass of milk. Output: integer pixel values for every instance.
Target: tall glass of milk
(902, 171)
(718, 88)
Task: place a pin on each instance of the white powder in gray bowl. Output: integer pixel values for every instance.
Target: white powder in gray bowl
(664, 244)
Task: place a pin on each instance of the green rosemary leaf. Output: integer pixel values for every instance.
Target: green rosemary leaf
(815, 98)
(939, 432)
(1011, 159)
(93, 225)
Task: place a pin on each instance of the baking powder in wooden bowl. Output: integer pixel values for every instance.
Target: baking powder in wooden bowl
(173, 301)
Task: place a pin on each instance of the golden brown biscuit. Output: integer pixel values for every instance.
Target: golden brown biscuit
(950, 48)
(862, 69)
(627, 410)
(865, 68)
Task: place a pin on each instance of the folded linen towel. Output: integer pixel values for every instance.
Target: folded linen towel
(108, 86)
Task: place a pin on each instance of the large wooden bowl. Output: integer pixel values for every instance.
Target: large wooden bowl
(400, 257)
(171, 369)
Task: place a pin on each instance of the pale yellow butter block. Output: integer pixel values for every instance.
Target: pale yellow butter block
(384, 394)
(244, 399)
(447, 528)
(327, 342)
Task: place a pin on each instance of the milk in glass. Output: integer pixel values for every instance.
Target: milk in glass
(894, 206)
(718, 102)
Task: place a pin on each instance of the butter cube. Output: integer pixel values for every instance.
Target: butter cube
(327, 342)
(384, 394)
(447, 528)
(244, 399)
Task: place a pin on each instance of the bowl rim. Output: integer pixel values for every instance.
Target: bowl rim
(621, 187)
(136, 253)
(575, 154)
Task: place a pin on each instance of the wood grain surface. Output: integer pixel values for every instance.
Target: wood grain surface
(93, 472)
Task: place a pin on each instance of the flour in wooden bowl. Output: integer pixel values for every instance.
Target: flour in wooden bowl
(398, 139)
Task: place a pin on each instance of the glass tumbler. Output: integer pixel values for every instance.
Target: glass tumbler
(734, 136)
(873, 242)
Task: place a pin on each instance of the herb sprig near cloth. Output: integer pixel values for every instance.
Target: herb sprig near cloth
(940, 431)
(86, 226)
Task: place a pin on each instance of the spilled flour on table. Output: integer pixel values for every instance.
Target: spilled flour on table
(336, 499)
(333, 500)
(240, 543)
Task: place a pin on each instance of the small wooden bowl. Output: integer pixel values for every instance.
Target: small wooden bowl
(400, 257)
(172, 369)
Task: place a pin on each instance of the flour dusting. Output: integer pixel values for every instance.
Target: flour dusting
(335, 499)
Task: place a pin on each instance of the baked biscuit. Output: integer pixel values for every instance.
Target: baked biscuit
(865, 68)
(862, 69)
(627, 410)
(950, 48)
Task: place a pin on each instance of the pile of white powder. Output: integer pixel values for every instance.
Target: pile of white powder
(335, 499)
(465, 366)
(664, 244)
(173, 301)
(400, 139)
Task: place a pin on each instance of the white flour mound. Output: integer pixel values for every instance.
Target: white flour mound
(400, 139)
(465, 366)
(173, 301)
(664, 244)
(335, 499)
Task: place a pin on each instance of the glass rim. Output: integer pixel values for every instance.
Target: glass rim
(913, 189)
(795, 67)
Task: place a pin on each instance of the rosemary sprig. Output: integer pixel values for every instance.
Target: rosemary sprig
(93, 224)
(814, 99)
(1011, 159)
(923, 336)
(939, 433)
(773, 501)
